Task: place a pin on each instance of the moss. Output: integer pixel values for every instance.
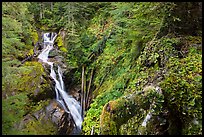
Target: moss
(14, 110)
(40, 127)
(43, 27)
(28, 92)
(20, 56)
(31, 78)
(40, 85)
(111, 89)
(193, 128)
(36, 106)
(34, 36)
(93, 114)
(185, 71)
(30, 53)
(118, 112)
(131, 127)
(150, 67)
(59, 41)
(106, 123)
(28, 78)
(60, 44)
(63, 49)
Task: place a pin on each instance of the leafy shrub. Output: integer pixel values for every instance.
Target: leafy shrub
(182, 86)
(93, 114)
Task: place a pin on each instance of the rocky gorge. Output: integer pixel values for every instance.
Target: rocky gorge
(130, 68)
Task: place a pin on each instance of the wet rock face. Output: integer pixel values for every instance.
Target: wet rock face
(54, 112)
(60, 118)
(53, 53)
(66, 124)
(75, 92)
(52, 116)
(69, 77)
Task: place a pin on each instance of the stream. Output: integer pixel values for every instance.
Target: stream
(69, 104)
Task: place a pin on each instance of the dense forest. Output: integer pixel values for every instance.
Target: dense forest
(135, 68)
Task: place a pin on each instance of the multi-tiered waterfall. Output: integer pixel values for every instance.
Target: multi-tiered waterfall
(69, 104)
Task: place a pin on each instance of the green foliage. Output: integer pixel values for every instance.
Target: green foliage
(16, 24)
(155, 55)
(13, 110)
(60, 44)
(182, 85)
(120, 52)
(63, 49)
(93, 114)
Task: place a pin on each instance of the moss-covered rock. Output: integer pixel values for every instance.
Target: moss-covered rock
(35, 121)
(40, 127)
(47, 117)
(24, 86)
(118, 112)
(26, 78)
(35, 81)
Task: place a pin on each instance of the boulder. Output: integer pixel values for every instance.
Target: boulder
(139, 113)
(51, 115)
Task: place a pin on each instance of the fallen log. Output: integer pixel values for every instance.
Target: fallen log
(27, 58)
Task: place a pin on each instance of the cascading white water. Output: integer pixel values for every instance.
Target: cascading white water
(147, 118)
(69, 104)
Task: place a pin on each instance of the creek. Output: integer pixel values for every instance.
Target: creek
(68, 102)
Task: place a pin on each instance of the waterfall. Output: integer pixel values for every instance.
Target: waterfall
(69, 104)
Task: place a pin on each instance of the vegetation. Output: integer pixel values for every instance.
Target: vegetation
(144, 59)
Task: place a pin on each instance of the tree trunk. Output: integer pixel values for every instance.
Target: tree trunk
(84, 96)
(41, 11)
(88, 90)
(82, 92)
